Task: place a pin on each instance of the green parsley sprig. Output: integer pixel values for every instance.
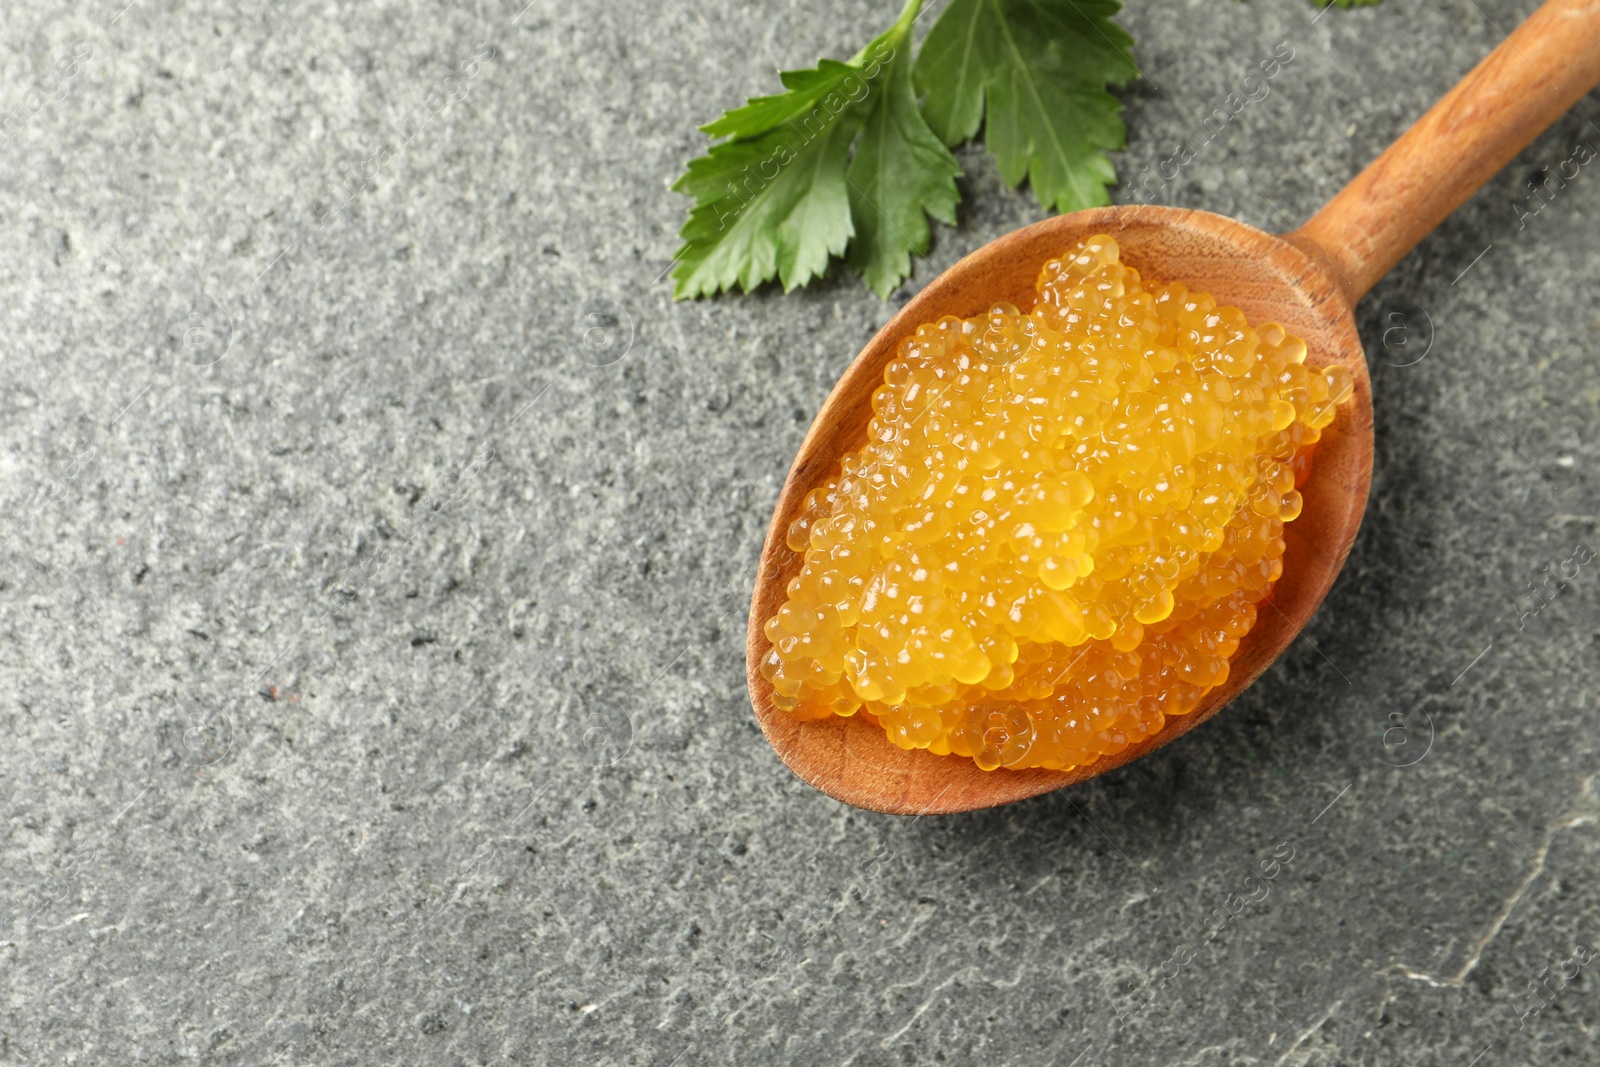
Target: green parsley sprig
(846, 163)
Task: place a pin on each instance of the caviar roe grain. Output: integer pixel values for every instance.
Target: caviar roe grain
(1060, 525)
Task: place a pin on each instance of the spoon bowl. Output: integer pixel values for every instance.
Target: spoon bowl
(1308, 281)
(1271, 280)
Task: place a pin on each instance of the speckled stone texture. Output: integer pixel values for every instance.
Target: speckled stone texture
(378, 536)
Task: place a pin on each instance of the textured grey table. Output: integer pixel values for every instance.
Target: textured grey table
(371, 671)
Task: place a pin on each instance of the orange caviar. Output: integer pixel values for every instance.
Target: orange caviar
(1060, 524)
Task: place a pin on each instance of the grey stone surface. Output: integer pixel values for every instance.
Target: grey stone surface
(371, 626)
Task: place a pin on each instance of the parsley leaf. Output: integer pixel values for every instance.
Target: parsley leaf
(773, 201)
(1040, 68)
(901, 174)
(782, 193)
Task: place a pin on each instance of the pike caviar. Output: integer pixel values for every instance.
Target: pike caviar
(1061, 523)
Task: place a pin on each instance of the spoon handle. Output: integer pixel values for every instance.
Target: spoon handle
(1524, 85)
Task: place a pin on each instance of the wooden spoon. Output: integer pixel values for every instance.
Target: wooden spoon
(1308, 280)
